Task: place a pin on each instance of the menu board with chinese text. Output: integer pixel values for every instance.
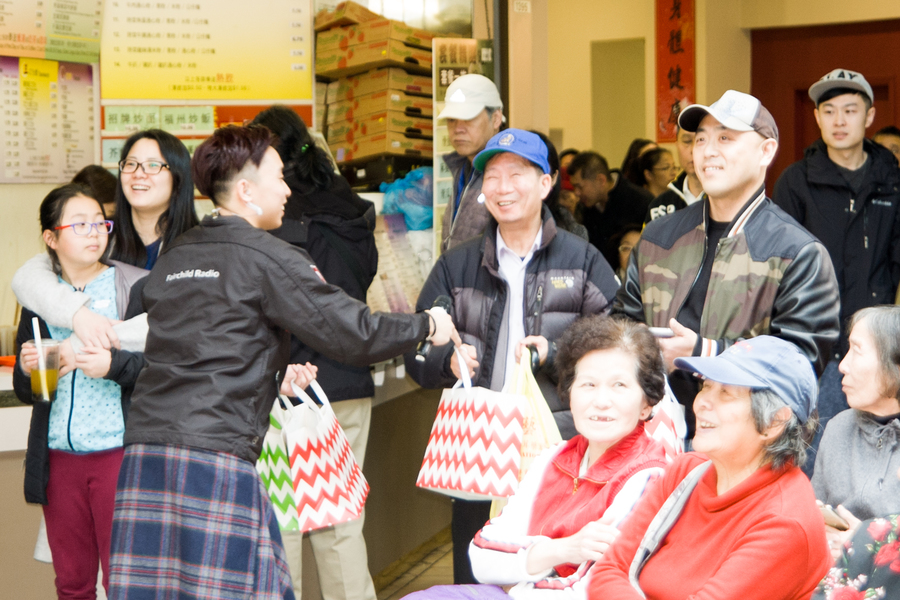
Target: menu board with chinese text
(47, 134)
(67, 30)
(201, 50)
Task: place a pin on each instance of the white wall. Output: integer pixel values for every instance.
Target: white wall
(20, 236)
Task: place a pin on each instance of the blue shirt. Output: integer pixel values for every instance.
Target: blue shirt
(87, 413)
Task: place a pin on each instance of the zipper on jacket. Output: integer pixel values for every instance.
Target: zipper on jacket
(71, 410)
(574, 485)
(538, 310)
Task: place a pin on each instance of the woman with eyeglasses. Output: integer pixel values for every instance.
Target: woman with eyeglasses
(657, 169)
(154, 205)
(75, 442)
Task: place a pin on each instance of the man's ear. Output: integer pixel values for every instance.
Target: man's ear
(496, 120)
(769, 149)
(546, 183)
(870, 116)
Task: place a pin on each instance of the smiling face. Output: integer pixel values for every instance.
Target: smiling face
(147, 194)
(843, 121)
(470, 137)
(268, 191)
(78, 251)
(725, 429)
(863, 381)
(606, 398)
(731, 164)
(514, 189)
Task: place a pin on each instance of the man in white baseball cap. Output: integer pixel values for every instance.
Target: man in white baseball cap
(845, 192)
(474, 113)
(731, 266)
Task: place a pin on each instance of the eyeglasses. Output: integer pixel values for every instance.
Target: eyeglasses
(624, 248)
(669, 168)
(103, 228)
(150, 167)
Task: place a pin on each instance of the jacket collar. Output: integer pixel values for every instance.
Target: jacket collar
(677, 186)
(489, 239)
(737, 225)
(821, 169)
(569, 460)
(872, 430)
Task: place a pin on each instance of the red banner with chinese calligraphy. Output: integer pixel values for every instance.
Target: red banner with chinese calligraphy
(675, 52)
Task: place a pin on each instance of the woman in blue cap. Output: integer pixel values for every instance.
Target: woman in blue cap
(739, 520)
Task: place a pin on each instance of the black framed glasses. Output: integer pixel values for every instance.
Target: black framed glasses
(102, 227)
(150, 167)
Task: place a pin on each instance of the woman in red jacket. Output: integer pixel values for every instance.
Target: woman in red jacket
(569, 506)
(741, 521)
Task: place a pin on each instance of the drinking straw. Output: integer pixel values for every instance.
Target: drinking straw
(42, 364)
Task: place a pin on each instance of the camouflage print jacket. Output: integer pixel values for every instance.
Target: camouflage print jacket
(769, 276)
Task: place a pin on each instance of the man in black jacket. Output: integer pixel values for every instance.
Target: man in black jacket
(610, 201)
(522, 282)
(846, 192)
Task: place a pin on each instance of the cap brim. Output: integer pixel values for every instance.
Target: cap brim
(689, 119)
(482, 158)
(720, 370)
(464, 111)
(818, 89)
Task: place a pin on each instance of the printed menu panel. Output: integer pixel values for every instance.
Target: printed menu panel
(207, 50)
(67, 30)
(47, 133)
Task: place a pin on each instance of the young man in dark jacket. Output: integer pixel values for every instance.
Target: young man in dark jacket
(846, 192)
(521, 283)
(732, 266)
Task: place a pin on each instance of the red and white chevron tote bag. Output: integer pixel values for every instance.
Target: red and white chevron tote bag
(475, 446)
(329, 487)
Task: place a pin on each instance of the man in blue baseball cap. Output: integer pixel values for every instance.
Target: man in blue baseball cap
(502, 284)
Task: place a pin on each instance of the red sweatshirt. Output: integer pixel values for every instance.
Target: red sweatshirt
(763, 539)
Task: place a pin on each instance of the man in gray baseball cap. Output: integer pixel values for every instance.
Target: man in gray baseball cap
(846, 192)
(474, 114)
(732, 266)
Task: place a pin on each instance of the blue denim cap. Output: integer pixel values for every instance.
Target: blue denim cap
(763, 362)
(524, 143)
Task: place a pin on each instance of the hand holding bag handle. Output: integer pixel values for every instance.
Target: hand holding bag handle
(465, 379)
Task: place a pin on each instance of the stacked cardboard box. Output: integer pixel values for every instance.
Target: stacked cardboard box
(378, 101)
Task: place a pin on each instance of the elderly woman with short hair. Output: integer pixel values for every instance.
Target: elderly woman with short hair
(860, 449)
(574, 497)
(739, 520)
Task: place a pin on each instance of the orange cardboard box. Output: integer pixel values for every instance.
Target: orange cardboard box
(381, 143)
(356, 59)
(381, 101)
(376, 81)
(380, 122)
(345, 13)
(373, 31)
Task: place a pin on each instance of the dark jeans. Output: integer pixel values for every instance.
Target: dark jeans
(832, 400)
(469, 516)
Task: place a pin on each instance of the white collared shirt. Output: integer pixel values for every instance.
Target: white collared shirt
(512, 270)
(689, 197)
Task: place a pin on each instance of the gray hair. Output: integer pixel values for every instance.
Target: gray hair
(792, 443)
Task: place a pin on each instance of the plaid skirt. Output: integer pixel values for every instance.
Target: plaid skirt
(193, 523)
